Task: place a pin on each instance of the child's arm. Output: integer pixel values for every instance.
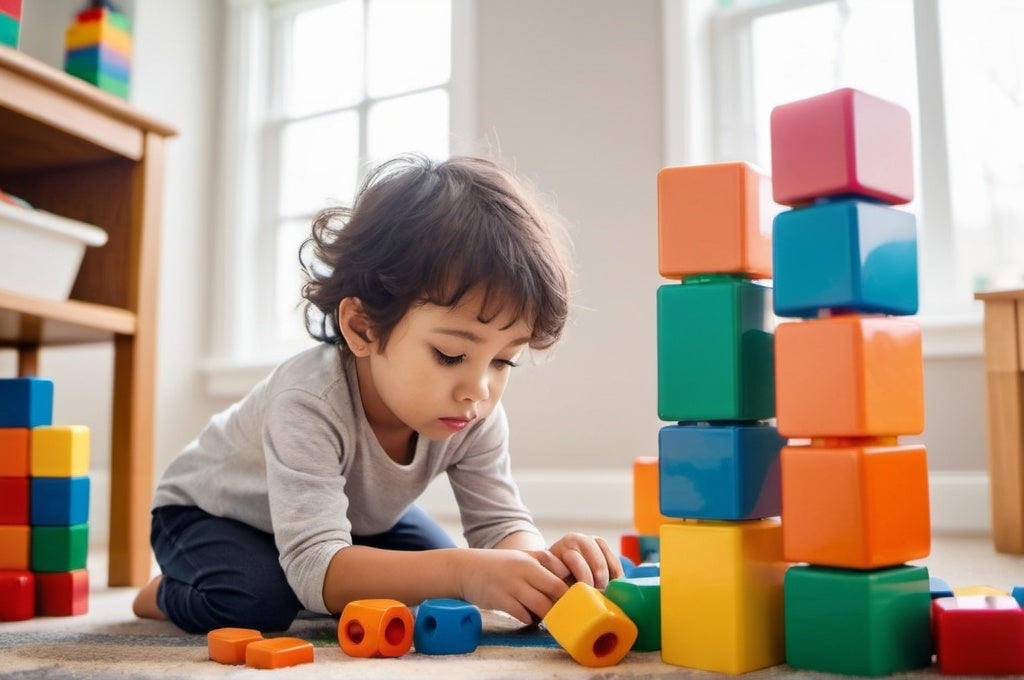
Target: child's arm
(510, 580)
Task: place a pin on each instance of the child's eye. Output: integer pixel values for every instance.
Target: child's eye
(448, 360)
(505, 363)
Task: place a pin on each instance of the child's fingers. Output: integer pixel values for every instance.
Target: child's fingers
(578, 565)
(614, 565)
(551, 563)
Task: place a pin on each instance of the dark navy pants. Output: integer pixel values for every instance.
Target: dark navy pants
(220, 573)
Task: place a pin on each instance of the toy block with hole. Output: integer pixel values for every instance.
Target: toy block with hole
(59, 548)
(14, 451)
(227, 645)
(60, 451)
(26, 402)
(17, 595)
(849, 376)
(647, 518)
(732, 574)
(847, 504)
(375, 627)
(858, 622)
(727, 472)
(845, 256)
(280, 652)
(14, 503)
(940, 587)
(978, 635)
(715, 350)
(15, 547)
(60, 500)
(446, 626)
(593, 629)
(629, 547)
(640, 598)
(714, 218)
(841, 143)
(62, 594)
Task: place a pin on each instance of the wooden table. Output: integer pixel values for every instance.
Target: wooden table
(1004, 377)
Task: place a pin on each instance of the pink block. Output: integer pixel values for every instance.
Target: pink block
(839, 143)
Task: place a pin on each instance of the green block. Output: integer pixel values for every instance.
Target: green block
(104, 81)
(715, 350)
(858, 622)
(640, 599)
(9, 28)
(60, 548)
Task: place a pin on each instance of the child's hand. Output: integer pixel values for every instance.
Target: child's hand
(513, 581)
(588, 559)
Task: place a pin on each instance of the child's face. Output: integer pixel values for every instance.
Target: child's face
(442, 368)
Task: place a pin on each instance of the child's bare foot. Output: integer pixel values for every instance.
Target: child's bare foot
(145, 602)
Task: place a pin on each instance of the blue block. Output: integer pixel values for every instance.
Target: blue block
(59, 501)
(646, 570)
(723, 472)
(446, 626)
(650, 548)
(939, 587)
(26, 402)
(849, 255)
(1018, 594)
(627, 566)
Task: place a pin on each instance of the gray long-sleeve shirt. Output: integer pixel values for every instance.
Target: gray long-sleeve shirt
(296, 457)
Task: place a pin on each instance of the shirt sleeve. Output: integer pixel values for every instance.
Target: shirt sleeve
(481, 481)
(303, 447)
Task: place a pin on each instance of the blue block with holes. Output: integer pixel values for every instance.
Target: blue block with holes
(26, 402)
(720, 472)
(846, 255)
(59, 501)
(445, 626)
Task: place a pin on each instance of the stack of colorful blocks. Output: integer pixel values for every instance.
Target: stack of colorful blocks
(99, 49)
(10, 22)
(721, 554)
(849, 378)
(44, 506)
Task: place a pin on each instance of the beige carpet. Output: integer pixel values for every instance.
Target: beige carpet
(110, 642)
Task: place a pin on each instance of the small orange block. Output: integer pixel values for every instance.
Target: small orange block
(14, 451)
(278, 653)
(849, 376)
(228, 645)
(714, 219)
(647, 517)
(593, 629)
(855, 506)
(375, 627)
(15, 546)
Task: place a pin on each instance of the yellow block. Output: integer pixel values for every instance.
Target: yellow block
(964, 591)
(592, 628)
(721, 595)
(89, 33)
(60, 451)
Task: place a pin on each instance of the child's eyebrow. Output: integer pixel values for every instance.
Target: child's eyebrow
(473, 337)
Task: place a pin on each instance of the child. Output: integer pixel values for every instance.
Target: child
(423, 297)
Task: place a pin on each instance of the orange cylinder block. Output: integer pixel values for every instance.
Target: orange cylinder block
(375, 627)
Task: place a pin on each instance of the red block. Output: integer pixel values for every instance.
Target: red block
(17, 595)
(62, 593)
(14, 500)
(629, 546)
(978, 635)
(11, 8)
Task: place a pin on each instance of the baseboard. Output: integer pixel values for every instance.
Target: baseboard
(959, 500)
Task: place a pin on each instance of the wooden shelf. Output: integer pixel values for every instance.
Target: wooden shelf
(26, 320)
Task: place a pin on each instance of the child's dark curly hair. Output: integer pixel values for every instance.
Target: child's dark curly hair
(422, 231)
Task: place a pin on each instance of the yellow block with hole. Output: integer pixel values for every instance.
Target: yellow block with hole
(593, 629)
(721, 595)
(59, 451)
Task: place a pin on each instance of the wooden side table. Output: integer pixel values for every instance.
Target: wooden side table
(1004, 378)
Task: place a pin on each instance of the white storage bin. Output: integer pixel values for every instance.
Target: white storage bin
(40, 252)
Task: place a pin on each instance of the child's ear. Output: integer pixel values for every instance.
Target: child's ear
(355, 326)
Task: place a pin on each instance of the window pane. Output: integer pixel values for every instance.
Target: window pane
(288, 280)
(408, 45)
(418, 122)
(319, 163)
(325, 70)
(983, 66)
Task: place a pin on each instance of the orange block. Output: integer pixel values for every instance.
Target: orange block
(647, 517)
(15, 546)
(278, 653)
(846, 504)
(715, 219)
(849, 376)
(227, 645)
(14, 451)
(375, 627)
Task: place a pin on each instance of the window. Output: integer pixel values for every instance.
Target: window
(318, 92)
(955, 66)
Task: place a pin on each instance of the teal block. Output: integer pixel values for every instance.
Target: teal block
(26, 402)
(60, 501)
(650, 548)
(640, 599)
(59, 548)
(715, 350)
(95, 59)
(9, 30)
(720, 472)
(846, 256)
(858, 622)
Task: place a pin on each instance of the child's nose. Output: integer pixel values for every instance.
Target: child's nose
(474, 388)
